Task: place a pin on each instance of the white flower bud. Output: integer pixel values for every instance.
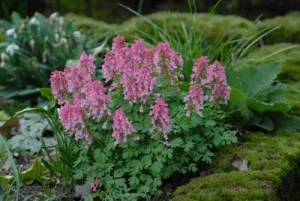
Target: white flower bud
(32, 43)
(34, 21)
(4, 57)
(11, 33)
(12, 48)
(2, 65)
(57, 37)
(53, 15)
(64, 41)
(61, 20)
(77, 35)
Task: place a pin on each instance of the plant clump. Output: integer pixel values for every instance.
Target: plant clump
(136, 133)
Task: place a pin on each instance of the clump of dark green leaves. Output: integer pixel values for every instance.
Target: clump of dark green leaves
(35, 47)
(257, 99)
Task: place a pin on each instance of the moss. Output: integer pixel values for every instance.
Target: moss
(213, 26)
(286, 54)
(270, 159)
(98, 27)
(2, 35)
(292, 93)
(289, 30)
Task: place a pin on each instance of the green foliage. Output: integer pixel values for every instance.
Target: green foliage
(136, 169)
(256, 99)
(60, 164)
(284, 53)
(34, 48)
(272, 164)
(212, 26)
(288, 31)
(222, 38)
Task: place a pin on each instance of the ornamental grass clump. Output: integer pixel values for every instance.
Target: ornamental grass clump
(143, 128)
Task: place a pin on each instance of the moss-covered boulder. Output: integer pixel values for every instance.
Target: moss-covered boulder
(289, 30)
(213, 26)
(272, 169)
(286, 54)
(292, 93)
(97, 26)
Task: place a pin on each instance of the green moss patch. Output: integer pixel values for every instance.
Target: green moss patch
(2, 35)
(292, 93)
(270, 158)
(213, 26)
(286, 54)
(97, 26)
(289, 30)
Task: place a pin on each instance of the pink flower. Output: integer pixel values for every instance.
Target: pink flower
(95, 184)
(130, 66)
(194, 100)
(116, 59)
(122, 127)
(220, 88)
(71, 117)
(160, 117)
(119, 43)
(59, 86)
(206, 81)
(199, 70)
(76, 78)
(95, 101)
(167, 61)
(86, 64)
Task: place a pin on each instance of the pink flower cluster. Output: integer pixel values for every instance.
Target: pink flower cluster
(122, 127)
(134, 67)
(80, 96)
(160, 117)
(207, 82)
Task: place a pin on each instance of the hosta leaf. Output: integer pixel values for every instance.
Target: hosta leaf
(36, 172)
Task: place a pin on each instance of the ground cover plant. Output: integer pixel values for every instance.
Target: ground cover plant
(34, 47)
(144, 128)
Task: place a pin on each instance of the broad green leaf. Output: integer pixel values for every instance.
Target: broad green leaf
(264, 122)
(259, 78)
(262, 107)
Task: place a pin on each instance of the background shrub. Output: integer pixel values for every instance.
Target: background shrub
(35, 47)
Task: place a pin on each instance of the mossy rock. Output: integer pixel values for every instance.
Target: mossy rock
(213, 26)
(292, 93)
(97, 26)
(289, 30)
(2, 35)
(286, 54)
(271, 160)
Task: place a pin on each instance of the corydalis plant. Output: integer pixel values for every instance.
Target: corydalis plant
(135, 70)
(137, 126)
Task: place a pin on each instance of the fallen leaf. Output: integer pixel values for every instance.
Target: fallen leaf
(8, 126)
(36, 172)
(241, 165)
(81, 191)
(4, 116)
(6, 166)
